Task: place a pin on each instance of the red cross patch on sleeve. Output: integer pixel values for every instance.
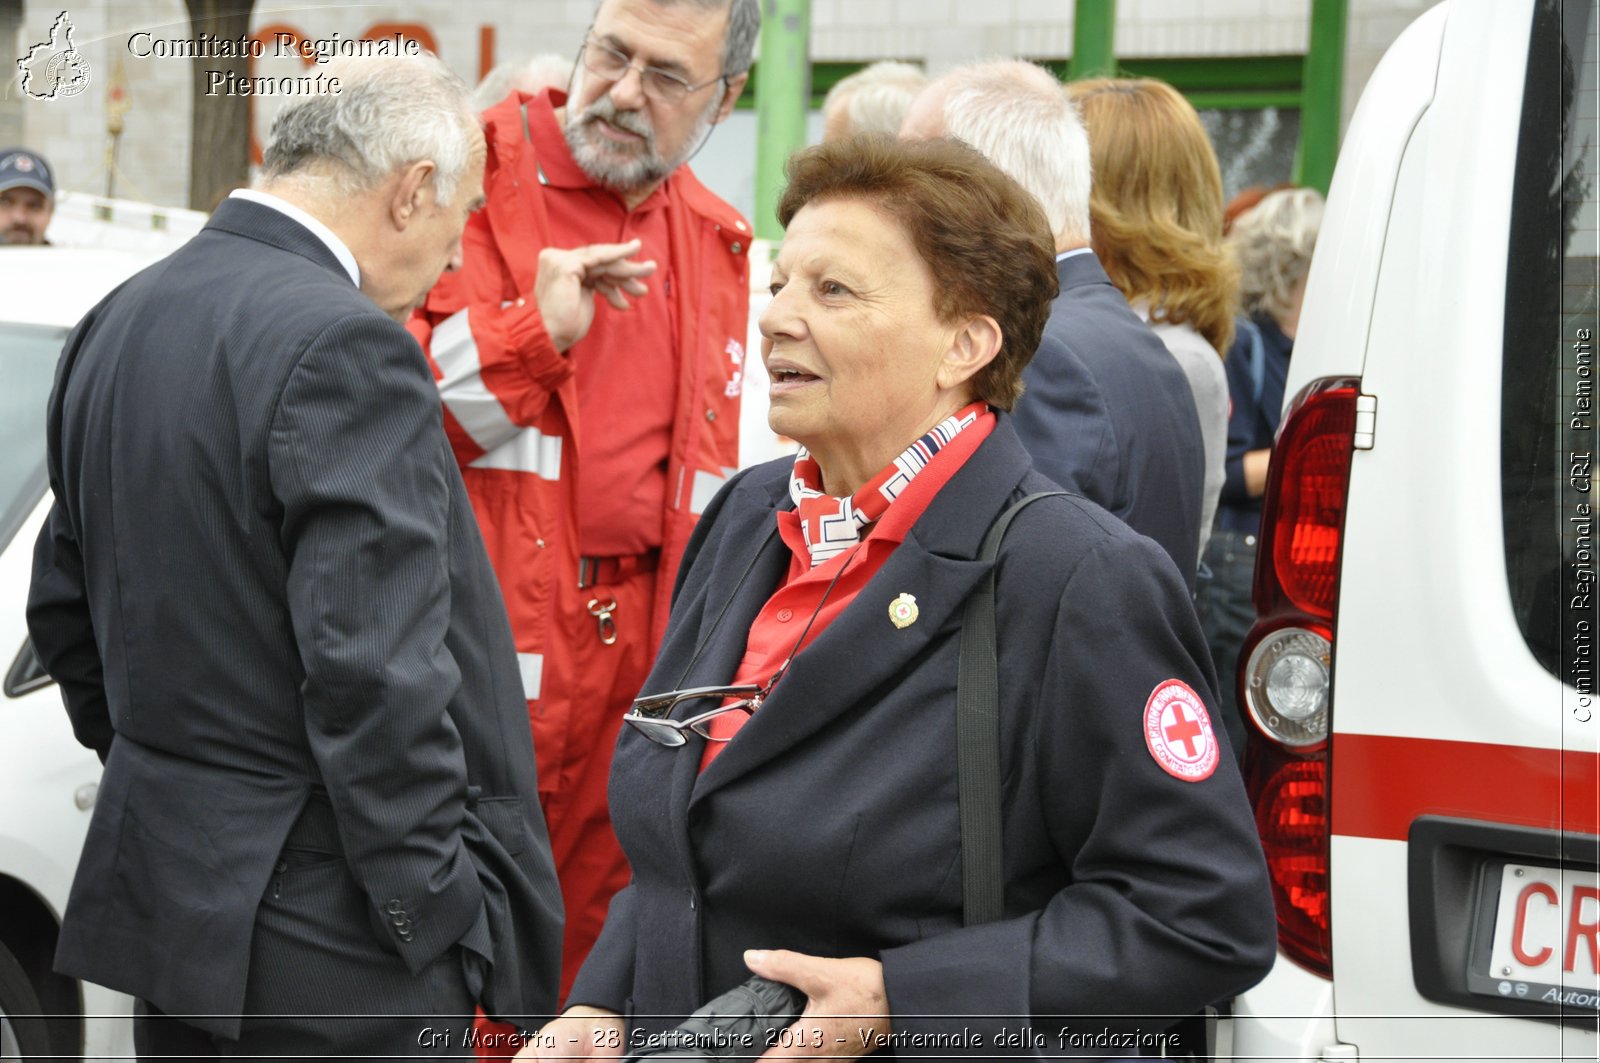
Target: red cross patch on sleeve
(1177, 729)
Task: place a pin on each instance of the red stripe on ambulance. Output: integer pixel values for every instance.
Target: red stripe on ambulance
(1382, 784)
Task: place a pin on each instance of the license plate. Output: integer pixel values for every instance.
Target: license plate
(1546, 942)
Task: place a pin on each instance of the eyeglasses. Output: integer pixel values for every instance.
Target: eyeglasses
(649, 713)
(660, 85)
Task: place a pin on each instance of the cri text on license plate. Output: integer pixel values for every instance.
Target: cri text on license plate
(1547, 927)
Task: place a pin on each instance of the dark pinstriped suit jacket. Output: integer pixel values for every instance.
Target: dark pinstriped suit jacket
(261, 578)
(1108, 412)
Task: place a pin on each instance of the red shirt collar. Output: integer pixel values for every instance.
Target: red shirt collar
(905, 510)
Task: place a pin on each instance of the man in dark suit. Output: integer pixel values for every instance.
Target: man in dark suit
(1108, 411)
(264, 596)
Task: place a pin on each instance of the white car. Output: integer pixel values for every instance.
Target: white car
(47, 780)
(1426, 767)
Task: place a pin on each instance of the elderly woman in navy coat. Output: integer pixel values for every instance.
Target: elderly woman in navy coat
(800, 821)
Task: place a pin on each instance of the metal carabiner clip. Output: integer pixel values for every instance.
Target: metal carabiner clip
(602, 613)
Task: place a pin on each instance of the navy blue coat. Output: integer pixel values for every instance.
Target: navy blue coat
(829, 825)
(1253, 414)
(261, 579)
(1108, 412)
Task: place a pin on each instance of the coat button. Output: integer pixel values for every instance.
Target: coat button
(395, 906)
(711, 415)
(783, 616)
(737, 247)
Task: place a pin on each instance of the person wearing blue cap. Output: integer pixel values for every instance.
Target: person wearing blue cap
(27, 196)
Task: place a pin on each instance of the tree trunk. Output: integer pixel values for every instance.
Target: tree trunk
(219, 153)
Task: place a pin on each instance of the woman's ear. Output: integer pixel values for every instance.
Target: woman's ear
(974, 346)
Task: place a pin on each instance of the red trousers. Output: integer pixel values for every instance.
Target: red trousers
(594, 683)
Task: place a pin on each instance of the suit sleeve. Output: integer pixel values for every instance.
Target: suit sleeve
(1063, 422)
(493, 360)
(62, 630)
(1167, 907)
(60, 624)
(363, 479)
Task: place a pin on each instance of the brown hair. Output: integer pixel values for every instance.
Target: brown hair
(984, 238)
(1156, 204)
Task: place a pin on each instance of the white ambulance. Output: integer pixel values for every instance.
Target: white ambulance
(1426, 772)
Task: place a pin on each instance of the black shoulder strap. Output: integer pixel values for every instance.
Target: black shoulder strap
(978, 739)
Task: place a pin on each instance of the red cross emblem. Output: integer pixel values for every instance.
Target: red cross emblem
(1177, 730)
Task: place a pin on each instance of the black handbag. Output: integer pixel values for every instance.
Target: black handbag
(740, 1024)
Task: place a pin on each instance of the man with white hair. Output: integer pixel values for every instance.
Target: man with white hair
(530, 76)
(592, 432)
(1107, 410)
(874, 99)
(270, 612)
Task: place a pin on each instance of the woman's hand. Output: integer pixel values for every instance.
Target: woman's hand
(1255, 471)
(847, 1007)
(580, 1032)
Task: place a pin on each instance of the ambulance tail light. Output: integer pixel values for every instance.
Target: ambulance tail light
(1286, 663)
(1290, 793)
(1302, 517)
(1287, 676)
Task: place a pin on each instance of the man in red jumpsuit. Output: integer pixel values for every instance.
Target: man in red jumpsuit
(590, 355)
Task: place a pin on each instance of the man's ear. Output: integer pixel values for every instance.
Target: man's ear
(736, 85)
(974, 346)
(411, 192)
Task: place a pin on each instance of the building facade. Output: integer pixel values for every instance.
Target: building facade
(1241, 61)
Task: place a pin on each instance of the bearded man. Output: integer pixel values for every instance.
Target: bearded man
(593, 431)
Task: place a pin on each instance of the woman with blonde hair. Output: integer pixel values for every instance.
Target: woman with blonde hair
(1156, 225)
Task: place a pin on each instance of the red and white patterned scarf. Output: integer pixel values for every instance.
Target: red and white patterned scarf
(832, 525)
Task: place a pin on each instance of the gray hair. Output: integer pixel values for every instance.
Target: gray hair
(1273, 241)
(875, 98)
(1019, 116)
(388, 112)
(739, 47)
(744, 26)
(545, 71)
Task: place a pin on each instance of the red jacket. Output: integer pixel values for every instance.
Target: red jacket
(510, 400)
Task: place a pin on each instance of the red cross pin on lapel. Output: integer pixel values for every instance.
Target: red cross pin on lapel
(1177, 730)
(903, 611)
